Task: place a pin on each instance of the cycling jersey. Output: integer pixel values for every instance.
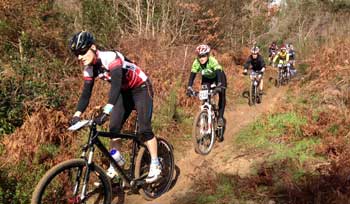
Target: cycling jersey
(281, 56)
(257, 64)
(272, 49)
(207, 70)
(133, 76)
(114, 68)
(291, 55)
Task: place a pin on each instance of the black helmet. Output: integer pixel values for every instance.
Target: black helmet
(81, 42)
(255, 50)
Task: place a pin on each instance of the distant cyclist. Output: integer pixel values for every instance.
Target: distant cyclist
(272, 51)
(257, 63)
(291, 53)
(130, 88)
(282, 57)
(212, 73)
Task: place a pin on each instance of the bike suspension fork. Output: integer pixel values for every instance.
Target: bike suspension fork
(87, 173)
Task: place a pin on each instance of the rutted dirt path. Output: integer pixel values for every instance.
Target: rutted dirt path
(223, 158)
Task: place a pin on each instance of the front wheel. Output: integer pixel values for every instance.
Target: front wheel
(279, 78)
(64, 183)
(166, 159)
(203, 139)
(252, 94)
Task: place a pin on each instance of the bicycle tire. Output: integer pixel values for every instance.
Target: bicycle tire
(256, 98)
(279, 79)
(143, 160)
(198, 138)
(43, 186)
(252, 95)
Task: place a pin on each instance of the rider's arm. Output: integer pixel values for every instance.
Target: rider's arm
(116, 83)
(220, 76)
(275, 59)
(85, 96)
(247, 63)
(262, 64)
(191, 79)
(87, 90)
(287, 58)
(194, 70)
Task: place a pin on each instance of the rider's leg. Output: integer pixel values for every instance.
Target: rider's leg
(120, 113)
(143, 98)
(222, 101)
(261, 87)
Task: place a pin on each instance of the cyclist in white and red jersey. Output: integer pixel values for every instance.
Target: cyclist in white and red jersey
(130, 88)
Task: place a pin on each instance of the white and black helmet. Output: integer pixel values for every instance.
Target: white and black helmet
(202, 50)
(255, 50)
(81, 42)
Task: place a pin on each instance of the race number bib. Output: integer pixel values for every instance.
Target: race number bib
(203, 94)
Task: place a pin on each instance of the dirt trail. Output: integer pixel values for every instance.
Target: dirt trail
(223, 158)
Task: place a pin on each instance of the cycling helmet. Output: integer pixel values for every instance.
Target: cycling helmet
(81, 42)
(255, 50)
(283, 48)
(202, 50)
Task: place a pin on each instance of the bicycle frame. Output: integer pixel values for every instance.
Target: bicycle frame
(89, 149)
(255, 78)
(283, 71)
(207, 105)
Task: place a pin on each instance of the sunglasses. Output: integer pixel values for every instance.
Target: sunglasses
(202, 56)
(80, 52)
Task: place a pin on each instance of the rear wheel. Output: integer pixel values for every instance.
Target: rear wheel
(64, 184)
(166, 159)
(203, 140)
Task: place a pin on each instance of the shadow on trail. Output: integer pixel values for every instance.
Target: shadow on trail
(176, 176)
(119, 195)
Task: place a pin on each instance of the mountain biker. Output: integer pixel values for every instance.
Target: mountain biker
(291, 53)
(256, 61)
(130, 88)
(282, 56)
(212, 73)
(272, 51)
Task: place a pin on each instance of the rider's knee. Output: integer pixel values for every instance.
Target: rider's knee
(146, 136)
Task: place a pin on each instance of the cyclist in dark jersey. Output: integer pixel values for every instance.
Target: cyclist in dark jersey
(130, 88)
(257, 63)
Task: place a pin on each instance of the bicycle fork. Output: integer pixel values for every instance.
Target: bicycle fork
(83, 194)
(208, 130)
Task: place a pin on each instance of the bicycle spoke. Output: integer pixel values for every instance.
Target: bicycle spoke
(66, 187)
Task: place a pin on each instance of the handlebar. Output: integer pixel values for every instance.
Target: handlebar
(212, 91)
(80, 124)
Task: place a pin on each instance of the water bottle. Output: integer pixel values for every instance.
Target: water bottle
(117, 157)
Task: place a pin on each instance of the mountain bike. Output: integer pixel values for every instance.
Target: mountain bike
(81, 180)
(283, 74)
(254, 92)
(205, 128)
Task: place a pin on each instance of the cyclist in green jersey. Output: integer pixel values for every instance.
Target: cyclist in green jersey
(212, 73)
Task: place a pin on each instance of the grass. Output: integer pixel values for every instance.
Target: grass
(223, 190)
(281, 134)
